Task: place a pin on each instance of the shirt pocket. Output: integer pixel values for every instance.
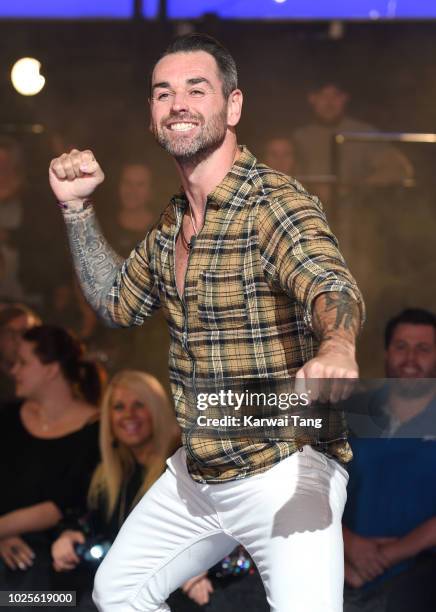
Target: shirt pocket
(221, 299)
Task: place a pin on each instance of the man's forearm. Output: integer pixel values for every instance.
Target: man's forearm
(336, 321)
(95, 262)
(416, 541)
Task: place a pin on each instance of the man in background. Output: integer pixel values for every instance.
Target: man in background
(389, 522)
(374, 164)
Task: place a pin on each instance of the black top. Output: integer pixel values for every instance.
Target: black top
(123, 240)
(34, 470)
(7, 390)
(96, 523)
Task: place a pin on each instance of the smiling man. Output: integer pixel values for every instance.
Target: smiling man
(390, 516)
(253, 286)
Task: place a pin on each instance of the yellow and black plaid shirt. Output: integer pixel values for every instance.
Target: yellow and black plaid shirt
(264, 254)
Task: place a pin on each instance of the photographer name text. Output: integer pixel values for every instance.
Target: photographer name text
(290, 420)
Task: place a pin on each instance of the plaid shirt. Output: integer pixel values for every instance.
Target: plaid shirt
(264, 254)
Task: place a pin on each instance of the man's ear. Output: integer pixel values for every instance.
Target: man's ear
(234, 107)
(150, 129)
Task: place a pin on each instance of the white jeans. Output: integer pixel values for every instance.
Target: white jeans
(288, 518)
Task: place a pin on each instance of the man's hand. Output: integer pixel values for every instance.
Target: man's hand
(16, 553)
(352, 578)
(335, 322)
(198, 589)
(63, 553)
(335, 363)
(365, 555)
(392, 549)
(74, 176)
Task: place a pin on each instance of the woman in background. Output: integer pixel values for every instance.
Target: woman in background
(135, 212)
(138, 431)
(48, 451)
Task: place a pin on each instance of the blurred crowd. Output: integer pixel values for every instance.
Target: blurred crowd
(34, 264)
(87, 423)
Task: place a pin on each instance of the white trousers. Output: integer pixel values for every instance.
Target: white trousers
(288, 518)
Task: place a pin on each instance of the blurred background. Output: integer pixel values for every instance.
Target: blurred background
(341, 95)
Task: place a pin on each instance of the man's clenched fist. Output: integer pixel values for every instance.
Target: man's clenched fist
(74, 176)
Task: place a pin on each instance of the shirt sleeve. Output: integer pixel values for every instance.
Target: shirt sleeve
(299, 251)
(134, 294)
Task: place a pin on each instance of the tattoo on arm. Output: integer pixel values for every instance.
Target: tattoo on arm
(335, 315)
(95, 262)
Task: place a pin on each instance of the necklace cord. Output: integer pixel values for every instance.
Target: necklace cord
(188, 245)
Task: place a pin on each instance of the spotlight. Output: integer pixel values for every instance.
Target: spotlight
(26, 78)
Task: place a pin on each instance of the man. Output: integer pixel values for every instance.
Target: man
(390, 515)
(251, 282)
(364, 163)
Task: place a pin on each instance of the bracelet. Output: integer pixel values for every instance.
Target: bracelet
(65, 205)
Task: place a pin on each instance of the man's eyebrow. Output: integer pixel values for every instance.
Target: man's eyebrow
(193, 81)
(162, 84)
(197, 80)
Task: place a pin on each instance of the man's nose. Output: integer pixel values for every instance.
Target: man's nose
(410, 357)
(179, 102)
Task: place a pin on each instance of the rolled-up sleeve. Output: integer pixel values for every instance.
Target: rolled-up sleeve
(300, 253)
(134, 295)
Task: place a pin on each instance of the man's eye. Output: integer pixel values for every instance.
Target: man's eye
(196, 92)
(163, 96)
(400, 346)
(118, 407)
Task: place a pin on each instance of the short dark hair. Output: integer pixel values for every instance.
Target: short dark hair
(413, 316)
(189, 43)
(328, 81)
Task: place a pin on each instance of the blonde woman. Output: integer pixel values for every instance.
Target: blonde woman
(138, 432)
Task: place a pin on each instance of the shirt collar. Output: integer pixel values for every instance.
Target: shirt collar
(231, 183)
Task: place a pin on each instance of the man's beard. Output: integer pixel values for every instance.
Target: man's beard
(194, 149)
(412, 388)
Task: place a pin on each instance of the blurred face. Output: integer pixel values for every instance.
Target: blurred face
(131, 420)
(280, 155)
(10, 337)
(31, 376)
(411, 353)
(10, 180)
(188, 109)
(135, 186)
(329, 104)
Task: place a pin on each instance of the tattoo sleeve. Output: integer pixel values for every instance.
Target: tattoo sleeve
(336, 317)
(95, 262)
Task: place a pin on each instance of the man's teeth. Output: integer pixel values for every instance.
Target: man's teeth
(182, 127)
